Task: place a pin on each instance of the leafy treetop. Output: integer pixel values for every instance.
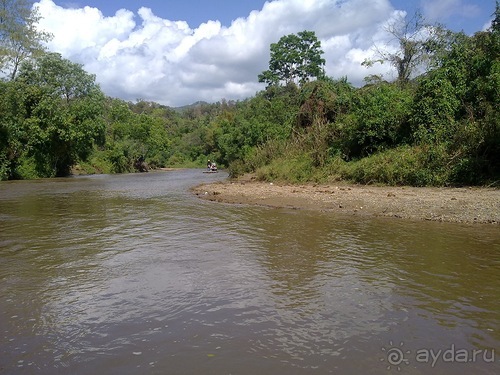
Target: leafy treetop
(20, 39)
(294, 59)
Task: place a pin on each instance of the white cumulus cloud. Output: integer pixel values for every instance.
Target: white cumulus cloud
(142, 56)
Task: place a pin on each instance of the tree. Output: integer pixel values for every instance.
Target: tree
(11, 135)
(495, 24)
(62, 113)
(135, 138)
(294, 59)
(420, 46)
(19, 37)
(376, 121)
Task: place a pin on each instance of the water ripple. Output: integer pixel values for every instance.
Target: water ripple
(131, 273)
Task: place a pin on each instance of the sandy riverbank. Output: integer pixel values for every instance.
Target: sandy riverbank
(461, 205)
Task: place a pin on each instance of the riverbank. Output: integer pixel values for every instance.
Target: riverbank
(460, 205)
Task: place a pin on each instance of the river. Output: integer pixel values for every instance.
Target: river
(133, 274)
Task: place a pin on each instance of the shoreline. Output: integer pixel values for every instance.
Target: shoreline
(468, 205)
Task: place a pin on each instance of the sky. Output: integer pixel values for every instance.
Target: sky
(179, 52)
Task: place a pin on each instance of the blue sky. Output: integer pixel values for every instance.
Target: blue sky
(179, 52)
(194, 12)
(458, 15)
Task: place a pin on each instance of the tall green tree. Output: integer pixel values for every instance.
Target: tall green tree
(63, 108)
(296, 58)
(19, 37)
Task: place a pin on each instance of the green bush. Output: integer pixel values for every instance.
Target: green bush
(97, 163)
(404, 165)
(26, 169)
(295, 169)
(378, 120)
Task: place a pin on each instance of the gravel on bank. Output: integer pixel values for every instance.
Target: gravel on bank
(460, 205)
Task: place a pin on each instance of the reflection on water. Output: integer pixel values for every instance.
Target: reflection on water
(132, 274)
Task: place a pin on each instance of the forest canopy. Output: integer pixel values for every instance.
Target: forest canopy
(436, 124)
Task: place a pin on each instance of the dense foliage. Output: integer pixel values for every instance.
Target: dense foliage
(51, 118)
(440, 128)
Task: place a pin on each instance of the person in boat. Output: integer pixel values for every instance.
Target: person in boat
(213, 168)
(209, 165)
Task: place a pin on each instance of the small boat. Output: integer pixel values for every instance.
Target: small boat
(211, 168)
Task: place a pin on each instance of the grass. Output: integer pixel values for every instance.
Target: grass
(404, 165)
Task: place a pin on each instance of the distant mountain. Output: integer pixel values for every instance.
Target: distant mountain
(195, 105)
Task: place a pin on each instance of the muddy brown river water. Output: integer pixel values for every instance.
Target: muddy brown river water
(133, 274)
